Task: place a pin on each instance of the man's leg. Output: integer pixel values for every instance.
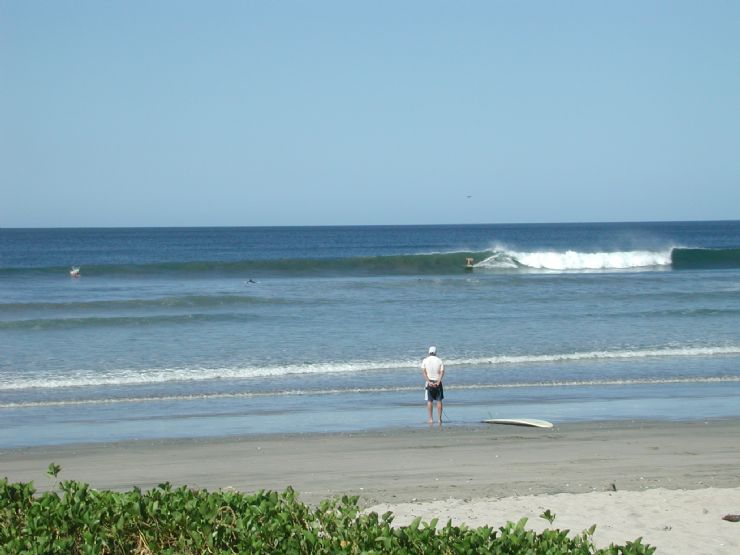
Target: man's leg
(429, 411)
(439, 411)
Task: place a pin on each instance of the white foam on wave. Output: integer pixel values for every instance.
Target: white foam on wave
(194, 374)
(198, 374)
(563, 261)
(602, 355)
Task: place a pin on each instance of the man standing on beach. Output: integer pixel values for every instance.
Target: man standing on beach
(433, 370)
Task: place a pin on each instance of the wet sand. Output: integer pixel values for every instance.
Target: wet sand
(445, 471)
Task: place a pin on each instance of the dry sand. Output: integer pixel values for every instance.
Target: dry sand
(674, 481)
(674, 521)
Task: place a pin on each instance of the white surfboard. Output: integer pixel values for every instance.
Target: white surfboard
(531, 422)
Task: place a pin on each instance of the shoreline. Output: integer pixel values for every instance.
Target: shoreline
(673, 480)
(410, 464)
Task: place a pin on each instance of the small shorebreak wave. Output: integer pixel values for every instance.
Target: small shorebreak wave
(367, 390)
(198, 374)
(496, 259)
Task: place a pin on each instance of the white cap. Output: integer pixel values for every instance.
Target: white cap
(432, 350)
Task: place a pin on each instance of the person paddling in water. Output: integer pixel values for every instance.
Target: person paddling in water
(433, 370)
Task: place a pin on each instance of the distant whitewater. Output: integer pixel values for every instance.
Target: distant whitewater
(675, 257)
(576, 261)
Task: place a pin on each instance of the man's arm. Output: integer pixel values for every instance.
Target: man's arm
(424, 372)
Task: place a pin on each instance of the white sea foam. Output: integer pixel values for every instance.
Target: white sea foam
(576, 261)
(195, 374)
(601, 355)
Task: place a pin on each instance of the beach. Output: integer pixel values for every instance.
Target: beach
(669, 482)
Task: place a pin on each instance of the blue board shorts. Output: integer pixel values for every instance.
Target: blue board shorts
(434, 393)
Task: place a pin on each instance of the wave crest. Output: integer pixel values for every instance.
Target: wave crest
(440, 263)
(198, 374)
(368, 390)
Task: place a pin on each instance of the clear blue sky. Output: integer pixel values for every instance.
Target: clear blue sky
(378, 112)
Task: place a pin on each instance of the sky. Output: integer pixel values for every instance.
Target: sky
(246, 113)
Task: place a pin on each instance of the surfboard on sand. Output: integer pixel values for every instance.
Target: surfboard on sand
(531, 422)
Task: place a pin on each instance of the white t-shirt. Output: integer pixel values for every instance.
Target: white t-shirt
(433, 364)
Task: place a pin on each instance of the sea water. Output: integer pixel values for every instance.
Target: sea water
(191, 332)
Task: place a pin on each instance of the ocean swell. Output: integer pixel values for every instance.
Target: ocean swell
(444, 263)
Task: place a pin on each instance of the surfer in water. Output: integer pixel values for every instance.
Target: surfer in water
(433, 371)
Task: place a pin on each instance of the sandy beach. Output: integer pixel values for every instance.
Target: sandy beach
(669, 482)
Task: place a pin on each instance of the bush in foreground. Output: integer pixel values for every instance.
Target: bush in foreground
(79, 519)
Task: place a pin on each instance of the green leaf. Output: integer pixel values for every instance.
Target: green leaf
(53, 470)
(548, 516)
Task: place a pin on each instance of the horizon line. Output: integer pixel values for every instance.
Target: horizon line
(585, 222)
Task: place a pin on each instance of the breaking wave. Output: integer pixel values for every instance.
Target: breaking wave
(495, 259)
(86, 378)
(576, 261)
(368, 390)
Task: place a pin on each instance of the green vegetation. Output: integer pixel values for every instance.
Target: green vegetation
(79, 519)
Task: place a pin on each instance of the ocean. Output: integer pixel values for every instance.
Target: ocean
(201, 332)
